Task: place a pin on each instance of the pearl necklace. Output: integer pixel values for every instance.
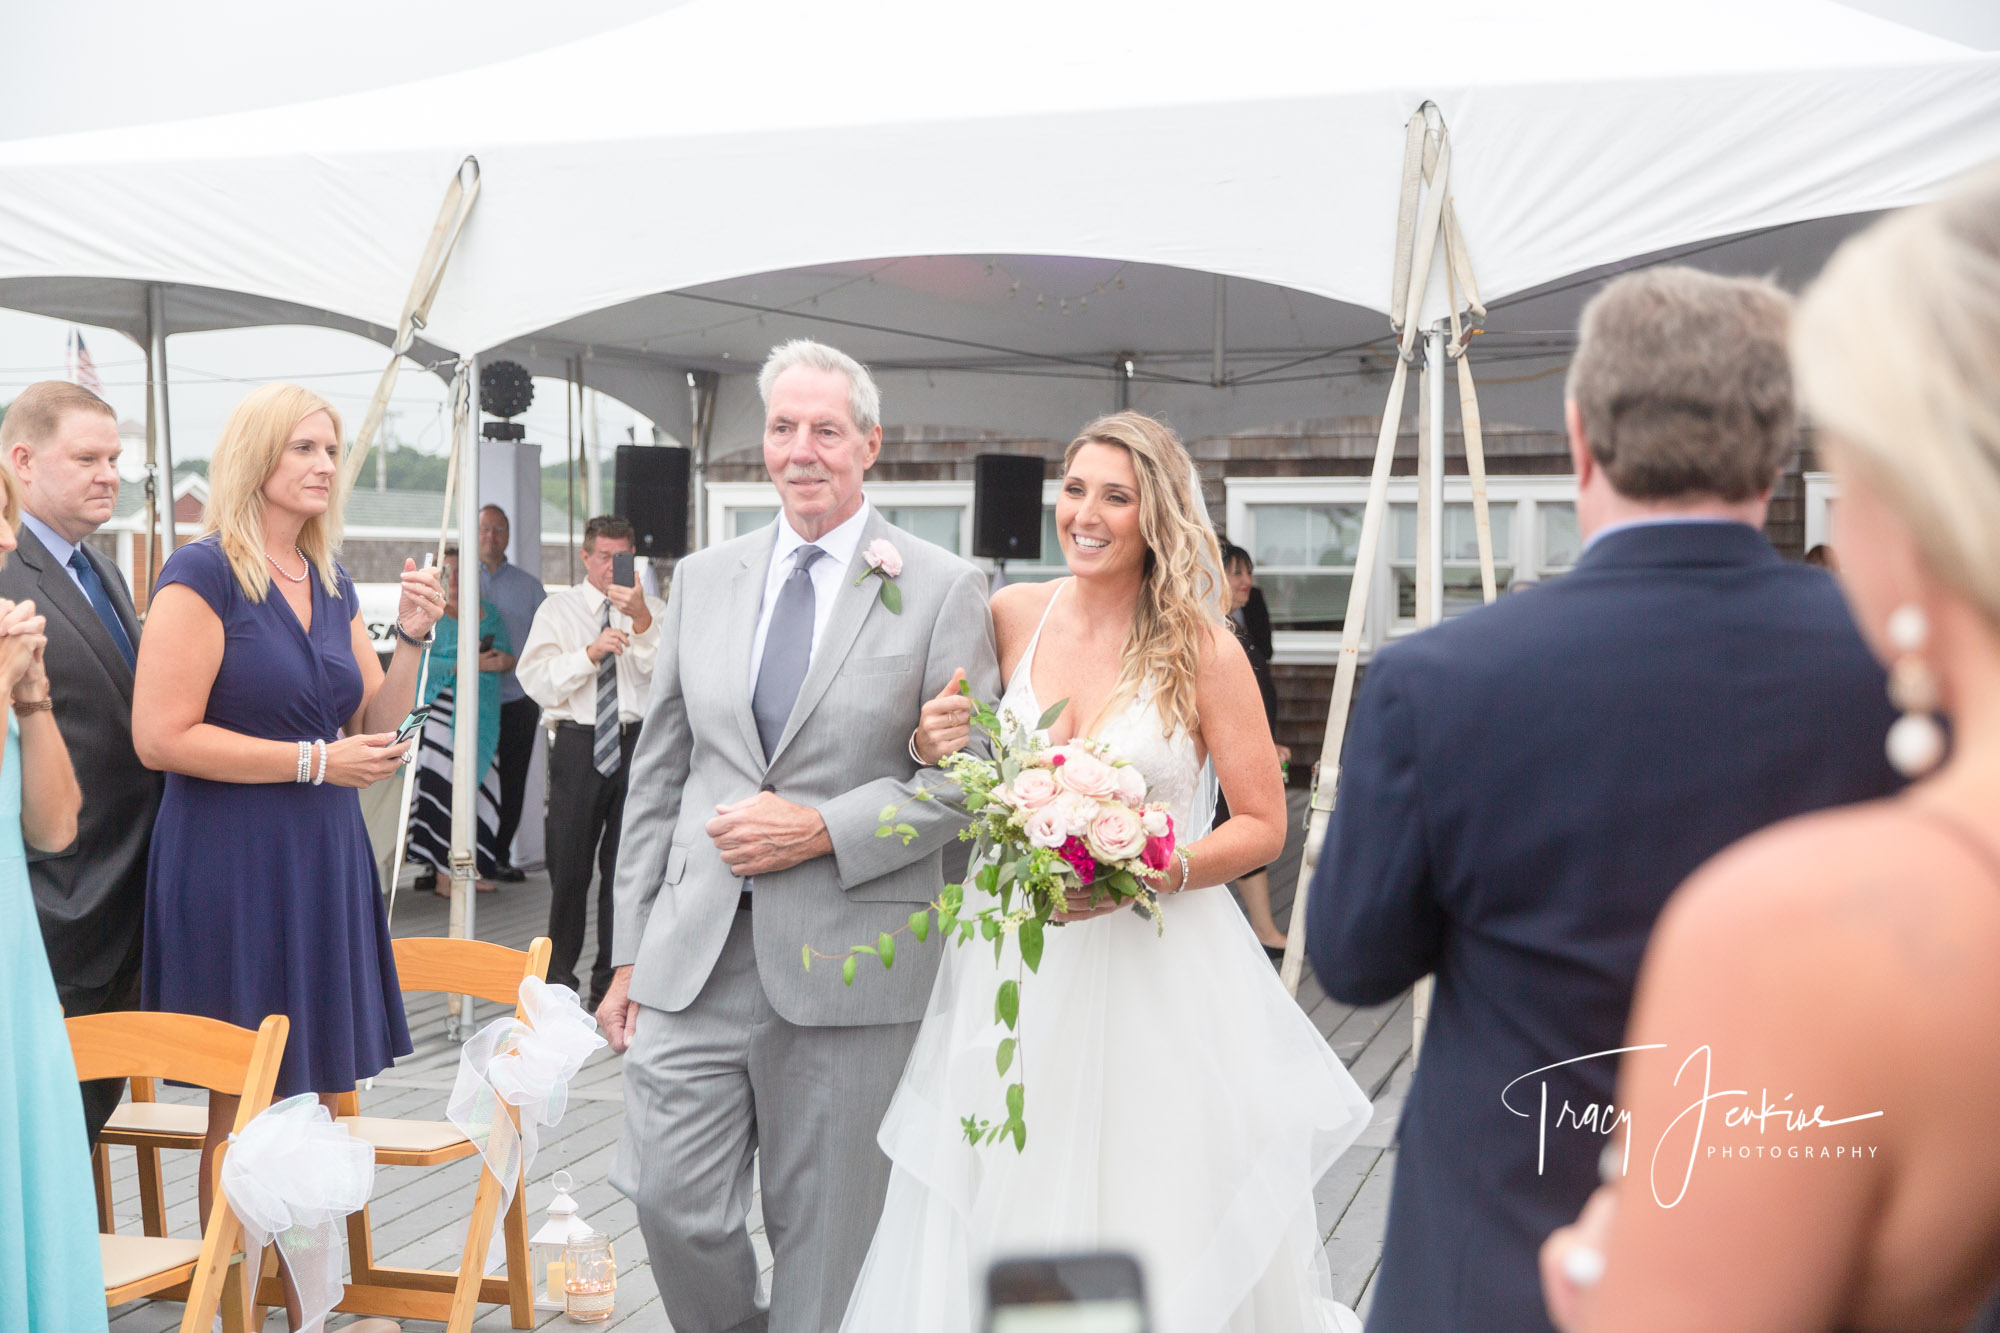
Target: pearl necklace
(299, 577)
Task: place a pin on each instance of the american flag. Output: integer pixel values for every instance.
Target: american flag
(82, 371)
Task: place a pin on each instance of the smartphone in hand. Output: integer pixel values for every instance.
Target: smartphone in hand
(412, 724)
(486, 643)
(622, 572)
(1081, 1293)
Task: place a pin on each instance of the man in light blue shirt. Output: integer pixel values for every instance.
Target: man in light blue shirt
(60, 441)
(517, 593)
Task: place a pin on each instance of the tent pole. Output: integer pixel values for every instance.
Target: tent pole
(1218, 330)
(569, 454)
(593, 459)
(702, 387)
(1432, 553)
(465, 691)
(146, 570)
(156, 358)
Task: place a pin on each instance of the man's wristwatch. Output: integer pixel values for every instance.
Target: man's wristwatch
(410, 639)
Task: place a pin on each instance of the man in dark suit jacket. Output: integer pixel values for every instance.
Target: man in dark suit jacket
(1524, 786)
(61, 442)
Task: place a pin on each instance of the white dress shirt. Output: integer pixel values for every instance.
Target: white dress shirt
(556, 671)
(827, 574)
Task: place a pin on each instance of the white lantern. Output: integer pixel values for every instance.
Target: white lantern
(545, 1247)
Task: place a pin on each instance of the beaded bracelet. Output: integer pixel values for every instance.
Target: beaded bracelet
(305, 762)
(320, 776)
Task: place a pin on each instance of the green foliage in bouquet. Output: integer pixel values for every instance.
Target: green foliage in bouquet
(1019, 887)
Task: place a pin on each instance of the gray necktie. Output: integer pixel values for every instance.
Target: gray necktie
(787, 652)
(604, 752)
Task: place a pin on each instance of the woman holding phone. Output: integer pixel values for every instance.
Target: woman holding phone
(260, 696)
(430, 813)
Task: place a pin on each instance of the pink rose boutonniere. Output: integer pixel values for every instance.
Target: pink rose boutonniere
(884, 562)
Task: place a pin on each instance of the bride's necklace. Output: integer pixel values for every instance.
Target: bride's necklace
(305, 565)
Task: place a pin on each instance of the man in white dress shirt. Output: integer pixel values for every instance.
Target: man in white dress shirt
(589, 663)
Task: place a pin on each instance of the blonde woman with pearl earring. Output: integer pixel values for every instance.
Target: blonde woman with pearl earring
(1848, 961)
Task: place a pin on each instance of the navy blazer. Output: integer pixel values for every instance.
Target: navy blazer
(1522, 789)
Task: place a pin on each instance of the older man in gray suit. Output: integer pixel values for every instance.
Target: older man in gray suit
(788, 682)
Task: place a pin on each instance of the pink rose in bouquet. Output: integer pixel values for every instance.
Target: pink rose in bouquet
(1046, 827)
(1085, 774)
(1116, 834)
(1131, 785)
(1031, 789)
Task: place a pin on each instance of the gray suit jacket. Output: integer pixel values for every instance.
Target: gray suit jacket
(91, 896)
(844, 753)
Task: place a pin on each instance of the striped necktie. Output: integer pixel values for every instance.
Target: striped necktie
(604, 747)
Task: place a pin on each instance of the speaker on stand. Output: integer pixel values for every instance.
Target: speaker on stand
(650, 491)
(1006, 509)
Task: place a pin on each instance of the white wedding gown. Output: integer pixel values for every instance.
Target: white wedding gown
(1179, 1107)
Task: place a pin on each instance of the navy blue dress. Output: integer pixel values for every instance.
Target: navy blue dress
(261, 898)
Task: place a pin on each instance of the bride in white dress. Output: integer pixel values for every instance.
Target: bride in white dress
(1179, 1105)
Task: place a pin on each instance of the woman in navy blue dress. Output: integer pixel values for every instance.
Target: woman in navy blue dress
(262, 895)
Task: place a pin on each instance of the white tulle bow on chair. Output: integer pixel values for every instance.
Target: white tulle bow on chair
(292, 1174)
(527, 1066)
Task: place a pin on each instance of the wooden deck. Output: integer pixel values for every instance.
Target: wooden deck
(420, 1215)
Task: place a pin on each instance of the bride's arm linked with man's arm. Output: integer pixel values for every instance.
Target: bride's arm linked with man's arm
(763, 834)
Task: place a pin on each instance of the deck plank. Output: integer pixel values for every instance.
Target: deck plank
(420, 1213)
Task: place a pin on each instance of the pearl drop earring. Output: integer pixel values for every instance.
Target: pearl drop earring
(1916, 741)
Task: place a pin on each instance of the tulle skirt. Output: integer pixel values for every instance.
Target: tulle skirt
(1179, 1106)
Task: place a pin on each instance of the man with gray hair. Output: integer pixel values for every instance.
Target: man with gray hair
(792, 669)
(1523, 787)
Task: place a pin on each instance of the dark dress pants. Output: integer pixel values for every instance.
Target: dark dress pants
(118, 995)
(519, 721)
(585, 811)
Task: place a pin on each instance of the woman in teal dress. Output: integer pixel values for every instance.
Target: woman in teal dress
(48, 1207)
(430, 810)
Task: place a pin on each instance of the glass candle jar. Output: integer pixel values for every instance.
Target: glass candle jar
(590, 1278)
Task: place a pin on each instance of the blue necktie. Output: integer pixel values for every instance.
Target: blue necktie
(100, 601)
(788, 643)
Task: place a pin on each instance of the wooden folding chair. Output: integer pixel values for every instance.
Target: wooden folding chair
(211, 1054)
(449, 967)
(146, 1126)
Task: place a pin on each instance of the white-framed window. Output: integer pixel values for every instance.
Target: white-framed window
(1822, 493)
(938, 511)
(1303, 533)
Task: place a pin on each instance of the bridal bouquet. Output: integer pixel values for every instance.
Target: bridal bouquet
(1047, 820)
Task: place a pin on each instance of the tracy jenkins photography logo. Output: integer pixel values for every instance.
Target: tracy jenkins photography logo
(1750, 1131)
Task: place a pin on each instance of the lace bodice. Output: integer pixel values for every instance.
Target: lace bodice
(1173, 772)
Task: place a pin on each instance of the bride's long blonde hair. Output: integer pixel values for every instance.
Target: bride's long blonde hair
(1181, 594)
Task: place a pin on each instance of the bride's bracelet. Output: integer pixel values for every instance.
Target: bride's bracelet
(1187, 868)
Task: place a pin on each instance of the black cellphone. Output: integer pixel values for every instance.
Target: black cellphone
(1078, 1293)
(622, 573)
(412, 724)
(486, 643)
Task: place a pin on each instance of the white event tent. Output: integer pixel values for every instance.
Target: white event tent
(1020, 215)
(768, 160)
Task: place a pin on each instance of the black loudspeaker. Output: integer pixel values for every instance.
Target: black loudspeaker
(651, 493)
(1007, 507)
